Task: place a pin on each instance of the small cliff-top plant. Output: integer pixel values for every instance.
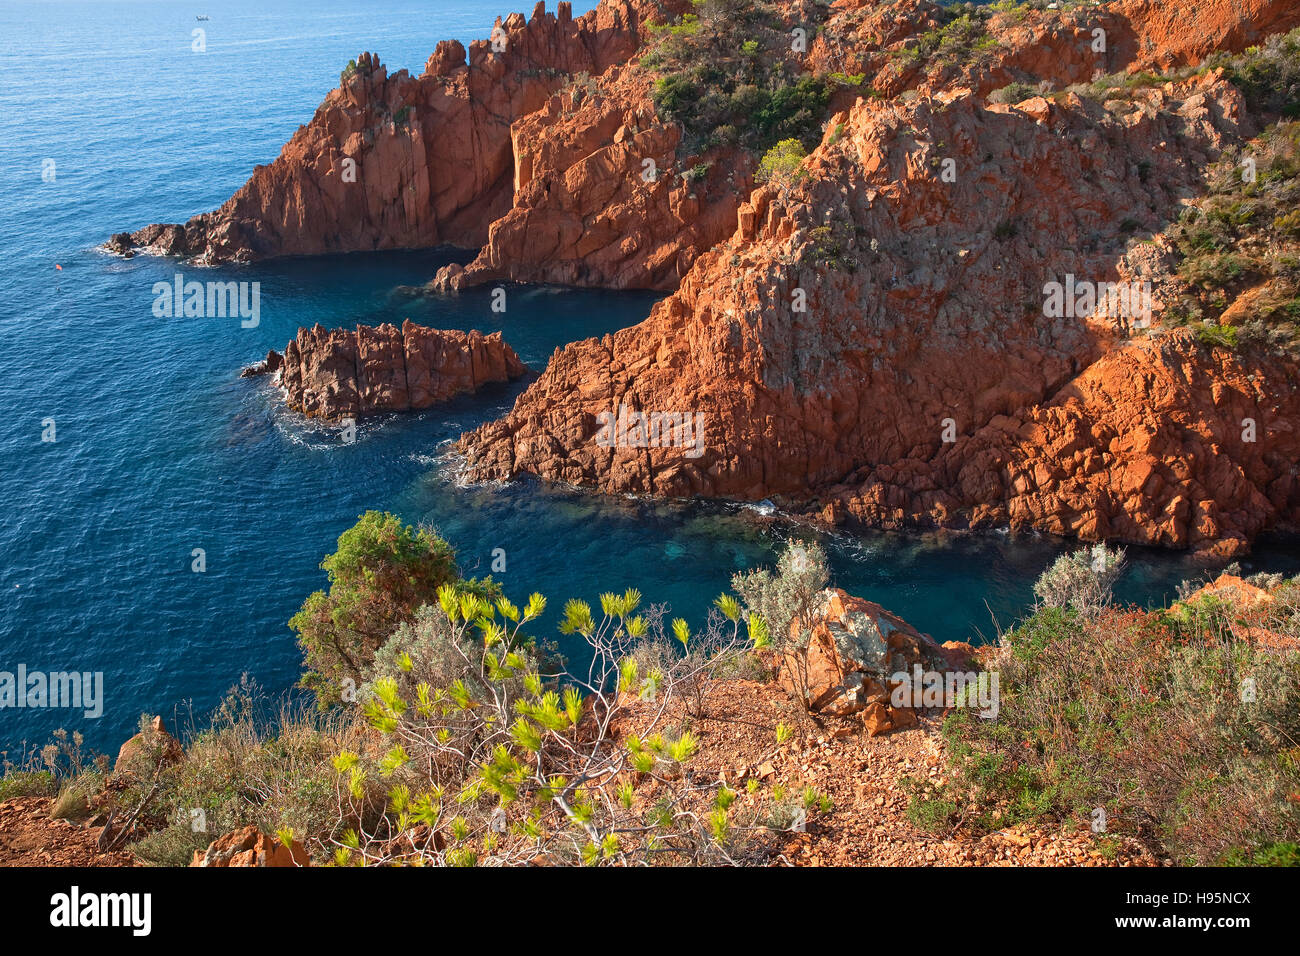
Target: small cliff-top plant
(480, 758)
(1082, 581)
(782, 165)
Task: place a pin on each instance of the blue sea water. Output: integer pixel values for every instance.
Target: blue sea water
(162, 449)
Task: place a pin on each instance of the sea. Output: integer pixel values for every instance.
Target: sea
(110, 119)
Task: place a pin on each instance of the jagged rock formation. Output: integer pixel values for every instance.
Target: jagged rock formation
(923, 309)
(248, 846)
(330, 373)
(870, 345)
(392, 162)
(858, 658)
(586, 211)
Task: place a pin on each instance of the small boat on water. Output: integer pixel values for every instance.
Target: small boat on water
(201, 17)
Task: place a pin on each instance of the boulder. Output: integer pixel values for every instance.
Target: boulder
(153, 744)
(251, 847)
(853, 653)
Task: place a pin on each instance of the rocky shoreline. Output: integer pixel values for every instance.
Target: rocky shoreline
(867, 344)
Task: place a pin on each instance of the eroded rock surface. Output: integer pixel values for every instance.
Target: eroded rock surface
(397, 162)
(331, 373)
(828, 344)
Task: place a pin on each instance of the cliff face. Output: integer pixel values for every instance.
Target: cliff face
(1062, 46)
(867, 341)
(333, 373)
(825, 348)
(587, 209)
(398, 161)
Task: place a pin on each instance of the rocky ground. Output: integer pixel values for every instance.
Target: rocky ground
(29, 837)
(868, 824)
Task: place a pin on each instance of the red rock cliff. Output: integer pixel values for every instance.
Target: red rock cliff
(827, 345)
(397, 161)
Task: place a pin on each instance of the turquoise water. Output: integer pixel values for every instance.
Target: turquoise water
(161, 448)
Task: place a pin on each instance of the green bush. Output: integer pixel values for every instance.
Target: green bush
(28, 783)
(728, 77)
(1147, 717)
(782, 165)
(380, 574)
(1013, 93)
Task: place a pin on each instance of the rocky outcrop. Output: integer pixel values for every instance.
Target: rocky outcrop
(148, 750)
(331, 373)
(897, 47)
(250, 847)
(1163, 442)
(267, 366)
(876, 336)
(601, 197)
(853, 658)
(1255, 615)
(391, 162)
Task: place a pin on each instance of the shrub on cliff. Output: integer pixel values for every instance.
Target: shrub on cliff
(786, 600)
(728, 76)
(1013, 93)
(380, 574)
(1240, 248)
(788, 594)
(1177, 728)
(960, 41)
(782, 165)
(1268, 75)
(1081, 581)
(480, 757)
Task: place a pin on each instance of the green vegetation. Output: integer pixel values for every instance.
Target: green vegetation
(727, 75)
(380, 574)
(782, 165)
(1013, 93)
(1240, 248)
(962, 40)
(1180, 727)
(1268, 75)
(786, 599)
(28, 783)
